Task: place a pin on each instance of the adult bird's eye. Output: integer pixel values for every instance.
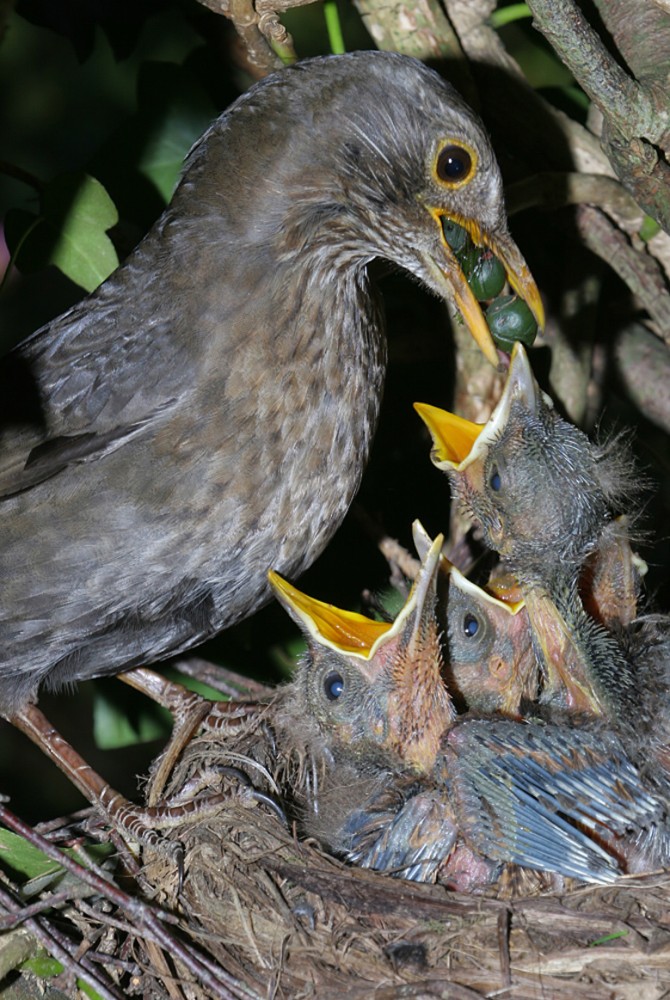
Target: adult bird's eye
(470, 626)
(333, 685)
(454, 164)
(495, 481)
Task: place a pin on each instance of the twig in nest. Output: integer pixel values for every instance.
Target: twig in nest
(225, 681)
(56, 946)
(147, 921)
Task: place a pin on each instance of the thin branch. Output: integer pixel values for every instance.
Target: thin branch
(52, 942)
(147, 920)
(19, 174)
(622, 99)
(555, 189)
(639, 271)
(420, 29)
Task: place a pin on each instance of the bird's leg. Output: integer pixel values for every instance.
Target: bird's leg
(122, 813)
(187, 708)
(139, 824)
(204, 779)
(190, 712)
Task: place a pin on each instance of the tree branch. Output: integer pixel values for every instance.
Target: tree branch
(620, 98)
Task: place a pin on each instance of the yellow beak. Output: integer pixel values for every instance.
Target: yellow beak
(449, 277)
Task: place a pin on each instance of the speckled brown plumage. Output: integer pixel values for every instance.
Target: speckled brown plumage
(207, 413)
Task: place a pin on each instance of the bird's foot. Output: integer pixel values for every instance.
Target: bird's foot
(190, 711)
(143, 826)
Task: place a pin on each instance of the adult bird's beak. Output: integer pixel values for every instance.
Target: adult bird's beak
(458, 442)
(353, 633)
(449, 274)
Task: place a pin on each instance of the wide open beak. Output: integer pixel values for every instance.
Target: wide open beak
(345, 631)
(458, 442)
(448, 276)
(404, 657)
(348, 631)
(492, 595)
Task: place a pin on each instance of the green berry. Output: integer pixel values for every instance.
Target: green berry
(510, 319)
(487, 277)
(457, 237)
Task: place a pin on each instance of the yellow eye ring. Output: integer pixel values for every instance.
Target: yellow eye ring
(455, 164)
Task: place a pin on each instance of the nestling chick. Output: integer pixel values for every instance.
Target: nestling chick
(546, 497)
(490, 662)
(453, 799)
(367, 710)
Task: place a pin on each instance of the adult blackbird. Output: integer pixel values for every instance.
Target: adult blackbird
(208, 411)
(406, 784)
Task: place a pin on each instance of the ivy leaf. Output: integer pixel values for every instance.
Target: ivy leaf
(69, 231)
(174, 111)
(34, 866)
(43, 965)
(46, 967)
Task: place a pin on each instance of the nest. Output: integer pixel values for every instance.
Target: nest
(259, 913)
(289, 921)
(284, 919)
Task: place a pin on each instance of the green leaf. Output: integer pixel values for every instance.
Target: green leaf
(70, 231)
(606, 938)
(334, 27)
(648, 229)
(112, 728)
(39, 871)
(88, 989)
(43, 965)
(392, 601)
(505, 15)
(22, 857)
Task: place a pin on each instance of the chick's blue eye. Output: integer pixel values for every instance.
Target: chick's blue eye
(470, 626)
(495, 481)
(333, 686)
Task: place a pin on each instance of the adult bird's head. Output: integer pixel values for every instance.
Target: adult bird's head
(542, 491)
(348, 158)
(374, 688)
